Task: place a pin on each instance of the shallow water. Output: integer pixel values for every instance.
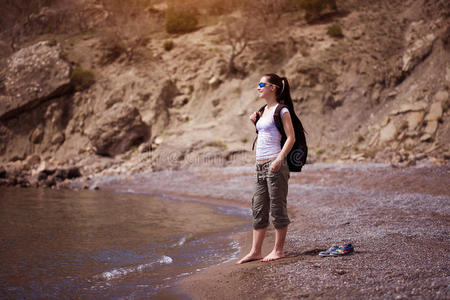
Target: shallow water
(101, 245)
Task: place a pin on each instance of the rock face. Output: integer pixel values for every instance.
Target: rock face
(389, 67)
(117, 130)
(32, 75)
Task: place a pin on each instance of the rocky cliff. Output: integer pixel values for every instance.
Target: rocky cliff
(377, 92)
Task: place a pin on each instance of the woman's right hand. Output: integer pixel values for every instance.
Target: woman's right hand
(253, 117)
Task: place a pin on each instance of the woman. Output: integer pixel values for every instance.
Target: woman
(272, 171)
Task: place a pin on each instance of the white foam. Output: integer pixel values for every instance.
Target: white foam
(166, 260)
(122, 272)
(236, 250)
(183, 240)
(180, 242)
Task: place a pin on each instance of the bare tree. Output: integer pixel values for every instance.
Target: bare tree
(237, 37)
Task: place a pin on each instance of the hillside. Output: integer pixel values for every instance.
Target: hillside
(107, 89)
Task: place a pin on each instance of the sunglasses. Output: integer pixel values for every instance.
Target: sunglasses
(263, 84)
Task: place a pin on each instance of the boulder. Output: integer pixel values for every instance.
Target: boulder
(31, 161)
(214, 82)
(414, 119)
(33, 74)
(117, 130)
(419, 43)
(158, 140)
(435, 112)
(431, 127)
(388, 133)
(441, 96)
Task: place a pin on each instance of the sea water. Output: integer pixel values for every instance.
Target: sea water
(59, 244)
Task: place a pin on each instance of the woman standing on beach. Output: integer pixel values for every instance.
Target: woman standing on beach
(272, 171)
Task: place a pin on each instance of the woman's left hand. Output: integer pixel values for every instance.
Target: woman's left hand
(275, 165)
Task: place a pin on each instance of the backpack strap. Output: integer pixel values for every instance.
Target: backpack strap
(259, 112)
(277, 118)
(258, 115)
(254, 142)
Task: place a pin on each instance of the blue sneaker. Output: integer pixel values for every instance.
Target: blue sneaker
(327, 252)
(343, 250)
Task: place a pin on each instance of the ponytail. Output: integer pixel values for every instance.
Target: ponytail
(283, 96)
(283, 92)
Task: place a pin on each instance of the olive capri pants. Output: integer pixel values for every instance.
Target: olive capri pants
(271, 189)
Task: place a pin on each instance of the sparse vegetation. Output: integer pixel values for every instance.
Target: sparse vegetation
(168, 45)
(314, 8)
(217, 144)
(180, 21)
(320, 151)
(81, 79)
(335, 30)
(244, 140)
(114, 48)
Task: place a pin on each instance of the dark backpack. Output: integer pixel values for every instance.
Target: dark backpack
(296, 158)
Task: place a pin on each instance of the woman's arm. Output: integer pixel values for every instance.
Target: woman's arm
(290, 134)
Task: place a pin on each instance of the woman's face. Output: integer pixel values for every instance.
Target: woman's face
(267, 91)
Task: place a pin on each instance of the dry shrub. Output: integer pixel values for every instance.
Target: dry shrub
(335, 30)
(81, 79)
(113, 48)
(168, 45)
(314, 8)
(180, 21)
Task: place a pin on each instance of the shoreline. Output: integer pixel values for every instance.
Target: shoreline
(397, 219)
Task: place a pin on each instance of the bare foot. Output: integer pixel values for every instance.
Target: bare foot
(248, 258)
(274, 255)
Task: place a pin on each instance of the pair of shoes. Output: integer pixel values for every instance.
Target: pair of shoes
(328, 252)
(343, 249)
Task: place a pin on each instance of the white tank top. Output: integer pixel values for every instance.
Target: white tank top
(268, 142)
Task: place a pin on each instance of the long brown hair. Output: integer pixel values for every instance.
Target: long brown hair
(283, 92)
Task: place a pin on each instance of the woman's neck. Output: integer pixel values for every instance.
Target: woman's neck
(271, 103)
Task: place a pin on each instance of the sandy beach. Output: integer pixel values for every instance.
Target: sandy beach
(398, 219)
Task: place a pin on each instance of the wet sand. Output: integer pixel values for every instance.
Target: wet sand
(397, 219)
